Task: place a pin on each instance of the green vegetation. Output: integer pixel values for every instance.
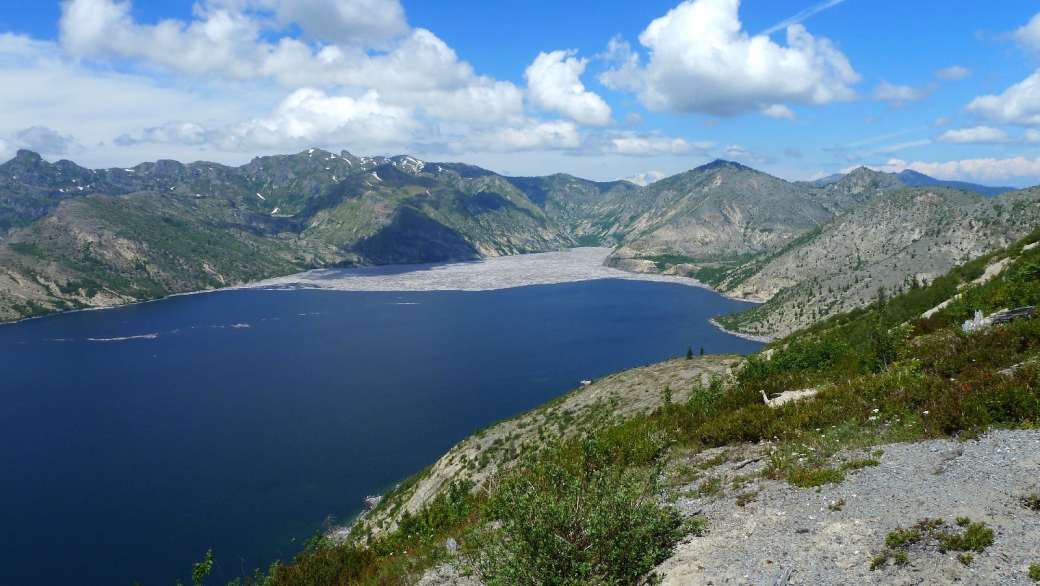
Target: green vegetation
(666, 261)
(1031, 501)
(1034, 572)
(973, 537)
(576, 515)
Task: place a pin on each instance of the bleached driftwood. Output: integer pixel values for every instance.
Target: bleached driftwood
(787, 397)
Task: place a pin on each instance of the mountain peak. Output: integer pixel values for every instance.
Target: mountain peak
(720, 163)
(27, 156)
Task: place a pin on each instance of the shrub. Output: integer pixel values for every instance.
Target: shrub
(577, 521)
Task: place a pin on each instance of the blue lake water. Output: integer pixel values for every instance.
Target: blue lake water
(126, 459)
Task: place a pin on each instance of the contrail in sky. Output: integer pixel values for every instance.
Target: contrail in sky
(819, 7)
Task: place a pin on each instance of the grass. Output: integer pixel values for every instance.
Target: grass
(1031, 501)
(812, 478)
(971, 538)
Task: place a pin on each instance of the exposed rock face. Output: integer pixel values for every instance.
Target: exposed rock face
(889, 241)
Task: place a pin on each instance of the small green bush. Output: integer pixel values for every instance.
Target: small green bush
(902, 537)
(803, 478)
(976, 537)
(1031, 501)
(581, 521)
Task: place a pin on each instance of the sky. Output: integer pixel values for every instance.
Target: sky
(800, 89)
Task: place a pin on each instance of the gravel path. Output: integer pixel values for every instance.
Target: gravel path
(788, 528)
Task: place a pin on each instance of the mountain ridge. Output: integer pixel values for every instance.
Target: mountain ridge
(723, 222)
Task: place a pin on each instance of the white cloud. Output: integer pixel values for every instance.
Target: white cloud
(94, 104)
(553, 135)
(369, 22)
(219, 41)
(482, 103)
(1029, 35)
(310, 116)
(169, 133)
(941, 122)
(898, 95)
(740, 154)
(702, 61)
(641, 144)
(955, 73)
(1019, 104)
(987, 135)
(554, 83)
(970, 169)
(780, 112)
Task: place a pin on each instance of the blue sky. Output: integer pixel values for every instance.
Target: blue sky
(603, 90)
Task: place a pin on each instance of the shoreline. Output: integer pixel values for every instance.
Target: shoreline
(570, 265)
(751, 337)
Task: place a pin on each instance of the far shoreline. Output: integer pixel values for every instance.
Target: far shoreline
(578, 269)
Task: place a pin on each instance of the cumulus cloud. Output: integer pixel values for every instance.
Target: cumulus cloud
(482, 103)
(1019, 104)
(955, 73)
(641, 144)
(310, 116)
(228, 44)
(969, 169)
(219, 41)
(44, 140)
(700, 60)
(1029, 35)
(554, 83)
(987, 135)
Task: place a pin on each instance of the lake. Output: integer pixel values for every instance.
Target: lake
(134, 439)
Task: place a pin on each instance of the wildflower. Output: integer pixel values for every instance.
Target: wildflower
(876, 410)
(924, 412)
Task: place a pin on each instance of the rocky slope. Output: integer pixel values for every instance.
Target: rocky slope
(717, 212)
(831, 536)
(615, 397)
(78, 238)
(894, 241)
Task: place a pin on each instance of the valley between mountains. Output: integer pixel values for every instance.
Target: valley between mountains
(74, 238)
